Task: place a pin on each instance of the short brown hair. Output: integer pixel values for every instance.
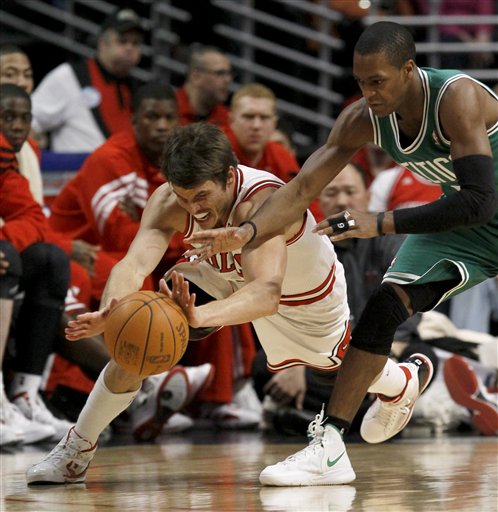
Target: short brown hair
(197, 153)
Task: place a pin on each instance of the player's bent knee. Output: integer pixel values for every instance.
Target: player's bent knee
(381, 317)
(119, 380)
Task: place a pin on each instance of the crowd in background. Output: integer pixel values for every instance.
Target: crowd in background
(56, 252)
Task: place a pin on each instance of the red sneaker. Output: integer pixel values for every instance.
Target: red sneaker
(466, 388)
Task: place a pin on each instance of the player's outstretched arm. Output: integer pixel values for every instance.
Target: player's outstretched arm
(351, 131)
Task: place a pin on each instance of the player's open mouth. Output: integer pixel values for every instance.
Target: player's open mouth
(201, 216)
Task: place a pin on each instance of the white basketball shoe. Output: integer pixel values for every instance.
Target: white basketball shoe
(323, 462)
(34, 409)
(388, 416)
(67, 463)
(10, 432)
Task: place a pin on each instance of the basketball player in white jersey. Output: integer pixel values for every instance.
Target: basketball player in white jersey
(301, 317)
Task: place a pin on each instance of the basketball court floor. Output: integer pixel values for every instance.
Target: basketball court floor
(218, 472)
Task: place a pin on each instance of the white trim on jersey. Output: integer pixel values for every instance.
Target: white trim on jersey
(403, 278)
(440, 96)
(421, 134)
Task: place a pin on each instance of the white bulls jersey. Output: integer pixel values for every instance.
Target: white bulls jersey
(311, 326)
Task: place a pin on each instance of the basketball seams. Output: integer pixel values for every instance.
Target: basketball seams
(128, 320)
(124, 323)
(146, 344)
(165, 313)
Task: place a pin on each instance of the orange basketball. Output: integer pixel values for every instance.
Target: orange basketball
(146, 333)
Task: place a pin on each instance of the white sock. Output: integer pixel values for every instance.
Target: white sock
(26, 383)
(101, 407)
(391, 382)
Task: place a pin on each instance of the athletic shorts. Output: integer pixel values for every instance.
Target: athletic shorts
(469, 255)
(314, 335)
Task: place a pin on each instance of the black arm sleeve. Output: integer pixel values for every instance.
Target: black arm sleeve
(473, 205)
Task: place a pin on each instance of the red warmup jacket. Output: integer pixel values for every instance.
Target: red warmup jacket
(218, 116)
(23, 220)
(88, 207)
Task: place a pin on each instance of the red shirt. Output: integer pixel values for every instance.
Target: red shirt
(410, 190)
(24, 221)
(116, 98)
(217, 116)
(88, 207)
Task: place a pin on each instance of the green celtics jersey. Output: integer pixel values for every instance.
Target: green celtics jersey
(468, 255)
(429, 154)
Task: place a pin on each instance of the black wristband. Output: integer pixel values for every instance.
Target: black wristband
(255, 229)
(380, 221)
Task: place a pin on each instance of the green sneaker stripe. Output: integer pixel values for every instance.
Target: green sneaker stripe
(335, 461)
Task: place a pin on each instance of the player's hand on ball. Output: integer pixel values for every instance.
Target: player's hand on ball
(214, 241)
(348, 224)
(180, 293)
(89, 324)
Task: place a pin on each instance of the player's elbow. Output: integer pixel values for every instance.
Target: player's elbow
(491, 207)
(273, 292)
(485, 207)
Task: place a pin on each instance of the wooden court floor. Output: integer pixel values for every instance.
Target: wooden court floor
(180, 473)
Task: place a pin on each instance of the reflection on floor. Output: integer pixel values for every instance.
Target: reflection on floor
(218, 471)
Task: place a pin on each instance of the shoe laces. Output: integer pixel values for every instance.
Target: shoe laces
(315, 436)
(316, 428)
(69, 449)
(387, 412)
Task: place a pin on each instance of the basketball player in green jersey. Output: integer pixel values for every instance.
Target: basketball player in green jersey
(442, 125)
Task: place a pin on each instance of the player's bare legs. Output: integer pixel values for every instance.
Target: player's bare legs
(357, 372)
(118, 380)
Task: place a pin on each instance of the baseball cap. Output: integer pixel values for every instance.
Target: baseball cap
(123, 20)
